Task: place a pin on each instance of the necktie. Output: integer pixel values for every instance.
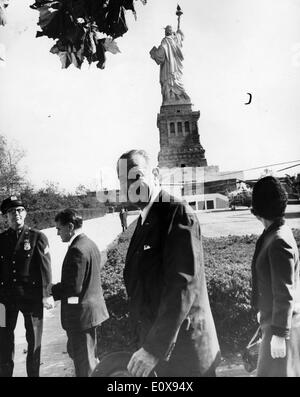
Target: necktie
(137, 229)
(139, 224)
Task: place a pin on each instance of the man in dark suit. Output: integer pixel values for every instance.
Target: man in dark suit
(165, 280)
(82, 303)
(123, 218)
(25, 274)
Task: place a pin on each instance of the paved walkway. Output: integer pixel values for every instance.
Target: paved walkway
(240, 222)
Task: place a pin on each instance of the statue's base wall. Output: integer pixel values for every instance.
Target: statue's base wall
(179, 137)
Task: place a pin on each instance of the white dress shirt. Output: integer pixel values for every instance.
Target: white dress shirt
(146, 210)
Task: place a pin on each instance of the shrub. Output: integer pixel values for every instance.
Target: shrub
(228, 276)
(116, 333)
(45, 219)
(228, 273)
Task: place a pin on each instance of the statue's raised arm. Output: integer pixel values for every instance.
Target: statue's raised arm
(179, 13)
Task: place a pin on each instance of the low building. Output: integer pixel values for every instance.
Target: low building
(204, 188)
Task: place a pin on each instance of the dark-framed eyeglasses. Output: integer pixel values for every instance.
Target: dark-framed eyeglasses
(16, 210)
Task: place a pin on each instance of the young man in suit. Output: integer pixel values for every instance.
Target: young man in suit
(165, 280)
(25, 274)
(82, 304)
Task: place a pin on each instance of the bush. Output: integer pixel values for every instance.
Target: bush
(228, 276)
(45, 219)
(116, 333)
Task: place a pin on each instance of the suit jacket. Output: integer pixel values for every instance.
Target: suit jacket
(275, 277)
(81, 278)
(165, 281)
(25, 265)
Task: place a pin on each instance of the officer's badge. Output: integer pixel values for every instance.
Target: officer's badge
(27, 245)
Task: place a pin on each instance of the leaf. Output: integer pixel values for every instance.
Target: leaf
(46, 15)
(111, 46)
(64, 59)
(90, 48)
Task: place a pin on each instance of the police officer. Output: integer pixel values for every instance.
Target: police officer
(25, 275)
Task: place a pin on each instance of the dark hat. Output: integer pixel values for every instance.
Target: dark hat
(269, 198)
(113, 365)
(11, 202)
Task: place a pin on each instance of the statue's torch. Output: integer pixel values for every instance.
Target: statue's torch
(178, 13)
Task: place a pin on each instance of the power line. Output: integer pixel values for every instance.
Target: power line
(292, 166)
(163, 183)
(263, 166)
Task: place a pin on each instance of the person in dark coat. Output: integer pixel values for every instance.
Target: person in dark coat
(165, 279)
(25, 275)
(275, 283)
(83, 307)
(123, 218)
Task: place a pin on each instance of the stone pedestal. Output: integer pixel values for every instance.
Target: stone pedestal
(179, 137)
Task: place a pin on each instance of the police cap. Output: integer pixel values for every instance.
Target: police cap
(11, 202)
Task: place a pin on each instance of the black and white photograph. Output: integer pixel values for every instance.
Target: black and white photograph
(149, 190)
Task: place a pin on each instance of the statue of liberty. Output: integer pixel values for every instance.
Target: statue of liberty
(169, 56)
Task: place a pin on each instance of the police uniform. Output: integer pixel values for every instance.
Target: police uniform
(25, 274)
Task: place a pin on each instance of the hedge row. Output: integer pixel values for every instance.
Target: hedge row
(228, 276)
(45, 219)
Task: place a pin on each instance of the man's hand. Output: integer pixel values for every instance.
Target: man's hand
(141, 363)
(48, 303)
(278, 347)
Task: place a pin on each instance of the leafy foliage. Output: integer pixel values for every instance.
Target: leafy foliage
(51, 197)
(45, 219)
(42, 205)
(10, 174)
(83, 30)
(117, 332)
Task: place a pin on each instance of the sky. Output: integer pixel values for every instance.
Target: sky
(74, 124)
